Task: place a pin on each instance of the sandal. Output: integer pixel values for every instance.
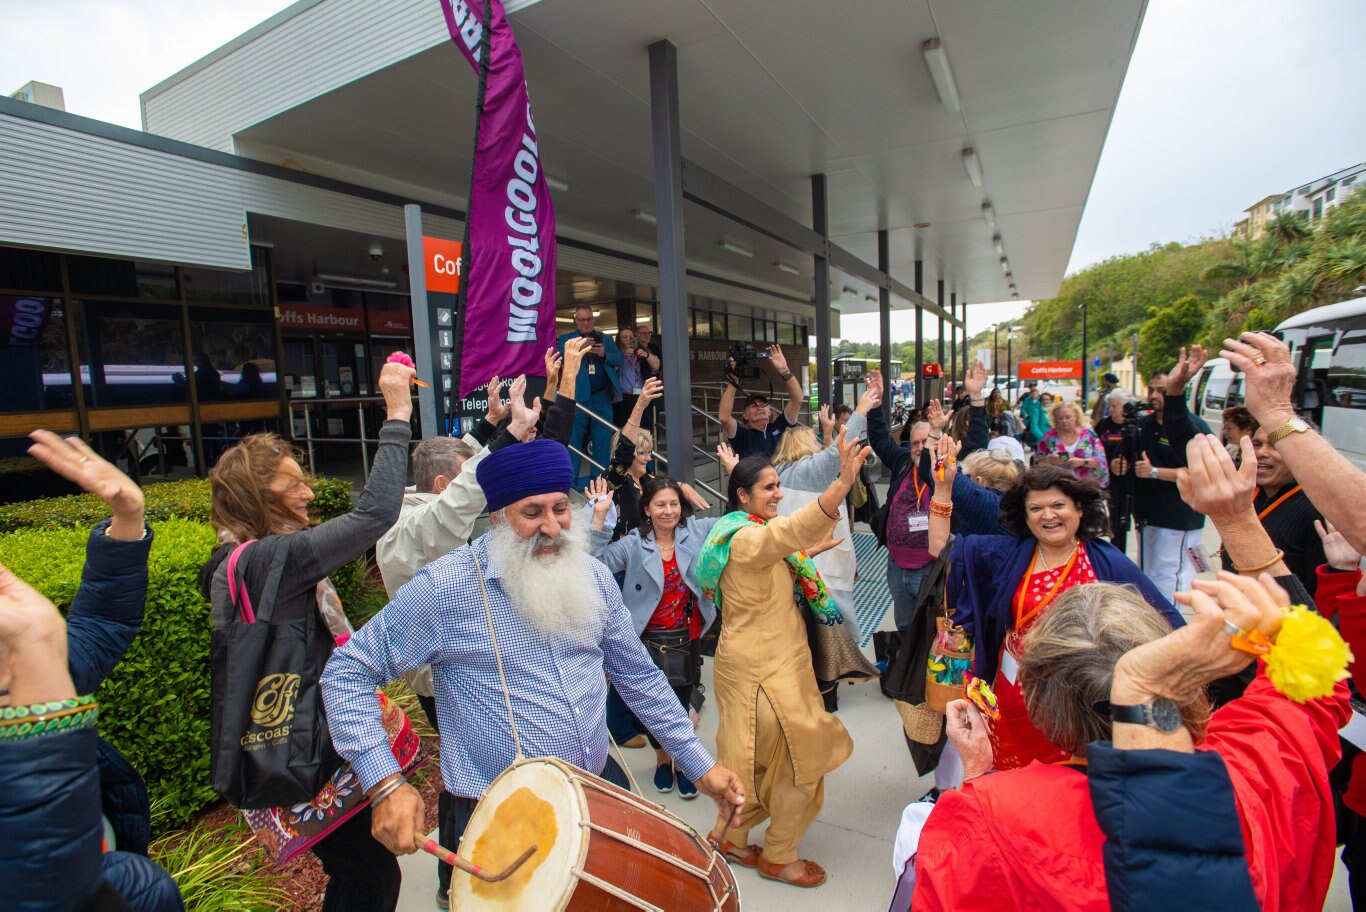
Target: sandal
(748, 857)
(814, 874)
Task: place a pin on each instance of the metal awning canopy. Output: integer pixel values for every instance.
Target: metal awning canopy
(771, 92)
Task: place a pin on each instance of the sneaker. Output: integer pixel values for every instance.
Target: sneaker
(686, 789)
(443, 898)
(664, 778)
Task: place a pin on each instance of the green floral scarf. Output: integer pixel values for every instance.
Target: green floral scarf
(807, 585)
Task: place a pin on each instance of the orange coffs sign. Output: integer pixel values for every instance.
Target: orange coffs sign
(1050, 370)
(444, 265)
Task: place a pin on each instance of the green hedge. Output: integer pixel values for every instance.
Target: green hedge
(187, 499)
(155, 705)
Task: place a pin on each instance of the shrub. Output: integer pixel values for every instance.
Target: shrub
(187, 499)
(220, 868)
(155, 704)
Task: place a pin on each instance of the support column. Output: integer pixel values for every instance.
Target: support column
(824, 365)
(673, 295)
(431, 418)
(953, 339)
(919, 377)
(942, 304)
(884, 307)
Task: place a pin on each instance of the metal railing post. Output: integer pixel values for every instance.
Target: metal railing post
(308, 435)
(364, 456)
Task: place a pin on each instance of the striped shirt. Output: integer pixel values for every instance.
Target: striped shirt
(559, 695)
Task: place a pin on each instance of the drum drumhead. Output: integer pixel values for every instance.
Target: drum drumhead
(533, 802)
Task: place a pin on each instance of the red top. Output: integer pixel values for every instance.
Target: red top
(678, 606)
(1014, 738)
(1028, 838)
(1337, 595)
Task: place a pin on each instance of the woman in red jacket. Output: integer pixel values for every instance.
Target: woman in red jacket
(1029, 837)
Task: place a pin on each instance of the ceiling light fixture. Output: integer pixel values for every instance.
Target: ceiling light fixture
(1014, 294)
(1005, 265)
(938, 62)
(870, 299)
(1000, 244)
(849, 292)
(922, 225)
(555, 183)
(989, 214)
(972, 166)
(787, 268)
(643, 216)
(734, 248)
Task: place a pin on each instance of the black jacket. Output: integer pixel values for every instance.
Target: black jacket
(1159, 503)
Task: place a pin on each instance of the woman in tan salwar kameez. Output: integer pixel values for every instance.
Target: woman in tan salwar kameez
(773, 729)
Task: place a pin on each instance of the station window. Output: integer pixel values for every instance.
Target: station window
(741, 328)
(247, 288)
(240, 345)
(35, 367)
(134, 354)
(121, 278)
(29, 270)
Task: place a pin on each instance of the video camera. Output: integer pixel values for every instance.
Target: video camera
(745, 358)
(1136, 411)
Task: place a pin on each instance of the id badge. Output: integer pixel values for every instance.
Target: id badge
(1197, 556)
(918, 522)
(1010, 666)
(592, 368)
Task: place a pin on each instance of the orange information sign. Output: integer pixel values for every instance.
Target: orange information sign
(444, 264)
(1050, 370)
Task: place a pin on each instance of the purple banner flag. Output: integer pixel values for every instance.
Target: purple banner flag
(509, 312)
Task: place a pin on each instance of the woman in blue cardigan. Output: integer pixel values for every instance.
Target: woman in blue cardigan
(1000, 585)
(658, 585)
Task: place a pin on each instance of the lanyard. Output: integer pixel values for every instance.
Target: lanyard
(921, 488)
(1020, 620)
(1277, 502)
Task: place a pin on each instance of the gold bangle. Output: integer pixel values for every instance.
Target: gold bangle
(1280, 556)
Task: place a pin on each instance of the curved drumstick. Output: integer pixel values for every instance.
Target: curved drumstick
(431, 847)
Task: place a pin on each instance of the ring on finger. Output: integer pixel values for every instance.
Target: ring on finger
(85, 459)
(1232, 629)
(1259, 360)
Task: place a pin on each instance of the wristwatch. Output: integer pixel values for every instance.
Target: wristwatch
(1152, 473)
(1159, 713)
(1293, 426)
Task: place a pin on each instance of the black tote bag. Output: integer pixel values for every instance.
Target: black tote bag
(269, 733)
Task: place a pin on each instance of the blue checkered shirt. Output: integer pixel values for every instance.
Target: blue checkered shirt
(559, 695)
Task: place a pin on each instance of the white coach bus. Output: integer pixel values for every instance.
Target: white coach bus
(1328, 346)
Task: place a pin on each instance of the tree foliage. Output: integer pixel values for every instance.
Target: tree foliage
(1166, 331)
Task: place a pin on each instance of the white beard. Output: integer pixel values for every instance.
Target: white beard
(557, 594)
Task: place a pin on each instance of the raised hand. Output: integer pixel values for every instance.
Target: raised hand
(652, 390)
(852, 457)
(1268, 376)
(599, 495)
(1210, 484)
(691, 496)
(975, 380)
(1186, 367)
(32, 645)
(871, 399)
(936, 417)
(1179, 664)
(75, 461)
(395, 382)
(946, 461)
(498, 409)
(775, 355)
(552, 370)
(827, 421)
(726, 456)
(524, 417)
(1336, 549)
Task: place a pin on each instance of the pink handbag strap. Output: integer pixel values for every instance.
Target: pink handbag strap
(243, 602)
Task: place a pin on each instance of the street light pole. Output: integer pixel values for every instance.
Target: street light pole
(995, 353)
(1010, 370)
(1085, 359)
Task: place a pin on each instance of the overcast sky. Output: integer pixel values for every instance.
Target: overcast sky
(1225, 102)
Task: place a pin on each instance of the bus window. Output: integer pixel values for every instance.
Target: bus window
(1216, 393)
(1235, 392)
(1200, 389)
(1347, 372)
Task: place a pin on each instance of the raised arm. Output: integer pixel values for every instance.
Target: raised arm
(793, 409)
(574, 350)
(726, 407)
(344, 538)
(894, 457)
(1210, 484)
(1177, 422)
(653, 389)
(941, 516)
(1335, 486)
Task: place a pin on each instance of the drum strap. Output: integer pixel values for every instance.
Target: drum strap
(497, 657)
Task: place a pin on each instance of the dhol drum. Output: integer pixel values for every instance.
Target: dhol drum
(599, 849)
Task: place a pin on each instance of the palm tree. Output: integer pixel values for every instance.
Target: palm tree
(1288, 228)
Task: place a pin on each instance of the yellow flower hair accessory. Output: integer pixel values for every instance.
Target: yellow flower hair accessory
(1308, 657)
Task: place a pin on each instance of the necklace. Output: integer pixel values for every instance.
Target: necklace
(1044, 557)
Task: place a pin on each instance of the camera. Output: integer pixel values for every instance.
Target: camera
(1134, 411)
(376, 252)
(744, 357)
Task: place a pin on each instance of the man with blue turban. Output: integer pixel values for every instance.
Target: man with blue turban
(560, 623)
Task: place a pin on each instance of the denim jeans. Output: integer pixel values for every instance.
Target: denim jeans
(622, 724)
(905, 586)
